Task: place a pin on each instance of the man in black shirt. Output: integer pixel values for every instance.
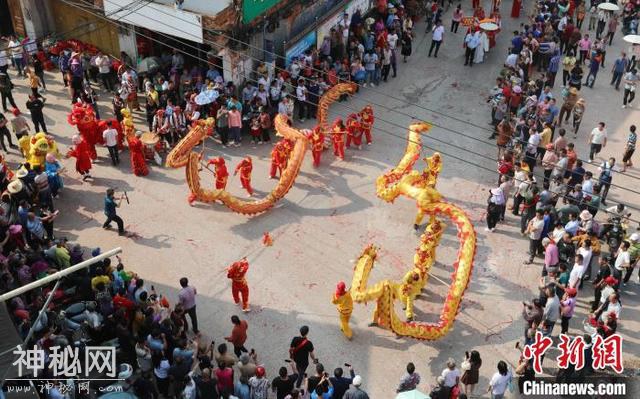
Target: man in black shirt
(299, 351)
(340, 383)
(4, 132)
(35, 106)
(282, 385)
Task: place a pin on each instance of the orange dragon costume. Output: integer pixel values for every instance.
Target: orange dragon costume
(239, 286)
(344, 303)
(316, 137)
(366, 122)
(338, 131)
(245, 167)
(136, 152)
(84, 118)
(278, 159)
(354, 131)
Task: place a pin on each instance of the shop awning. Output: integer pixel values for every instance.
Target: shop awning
(156, 17)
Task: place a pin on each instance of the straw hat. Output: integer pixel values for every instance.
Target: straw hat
(573, 91)
(586, 215)
(15, 187)
(21, 173)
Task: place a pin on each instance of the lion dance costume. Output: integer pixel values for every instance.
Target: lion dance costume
(83, 117)
(419, 186)
(35, 148)
(344, 303)
(239, 287)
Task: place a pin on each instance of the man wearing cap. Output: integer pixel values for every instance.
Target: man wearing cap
(634, 255)
(567, 308)
(355, 392)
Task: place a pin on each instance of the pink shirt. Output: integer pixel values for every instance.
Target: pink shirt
(235, 118)
(585, 44)
(551, 255)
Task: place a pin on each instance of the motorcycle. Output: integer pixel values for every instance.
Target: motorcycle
(613, 234)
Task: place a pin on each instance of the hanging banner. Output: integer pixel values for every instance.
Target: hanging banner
(309, 40)
(332, 22)
(254, 8)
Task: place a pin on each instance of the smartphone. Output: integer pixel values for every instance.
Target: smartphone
(287, 360)
(347, 365)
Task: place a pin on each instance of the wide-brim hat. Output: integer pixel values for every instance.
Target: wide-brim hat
(573, 91)
(15, 187)
(586, 215)
(21, 173)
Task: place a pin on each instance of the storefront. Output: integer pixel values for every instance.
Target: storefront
(325, 27)
(306, 42)
(85, 26)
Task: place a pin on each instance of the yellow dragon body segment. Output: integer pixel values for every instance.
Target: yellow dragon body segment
(183, 155)
(403, 180)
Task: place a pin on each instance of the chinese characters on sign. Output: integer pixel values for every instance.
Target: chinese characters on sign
(66, 362)
(605, 352)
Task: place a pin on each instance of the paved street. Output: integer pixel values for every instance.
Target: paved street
(332, 213)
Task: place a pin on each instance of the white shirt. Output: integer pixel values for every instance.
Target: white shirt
(103, 63)
(110, 137)
(438, 33)
(586, 255)
(393, 40)
(576, 275)
(587, 187)
(301, 93)
(611, 307)
(450, 377)
(511, 60)
(621, 259)
(4, 59)
(532, 143)
(499, 383)
(16, 48)
(606, 291)
(598, 136)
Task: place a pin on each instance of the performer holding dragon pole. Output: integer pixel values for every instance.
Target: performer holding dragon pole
(245, 167)
(316, 137)
(366, 122)
(338, 131)
(221, 172)
(354, 131)
(278, 159)
(344, 303)
(409, 289)
(239, 286)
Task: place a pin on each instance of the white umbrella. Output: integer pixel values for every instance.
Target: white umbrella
(415, 394)
(633, 39)
(207, 96)
(608, 7)
(488, 26)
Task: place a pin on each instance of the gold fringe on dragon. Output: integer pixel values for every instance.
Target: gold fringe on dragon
(183, 155)
(419, 186)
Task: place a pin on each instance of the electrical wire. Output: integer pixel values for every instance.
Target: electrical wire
(377, 129)
(392, 123)
(404, 101)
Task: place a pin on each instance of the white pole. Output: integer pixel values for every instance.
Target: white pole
(59, 275)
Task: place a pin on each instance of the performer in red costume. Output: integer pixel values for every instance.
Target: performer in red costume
(515, 8)
(354, 131)
(366, 122)
(138, 163)
(245, 167)
(221, 172)
(80, 151)
(317, 144)
(278, 159)
(83, 117)
(338, 131)
(239, 287)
